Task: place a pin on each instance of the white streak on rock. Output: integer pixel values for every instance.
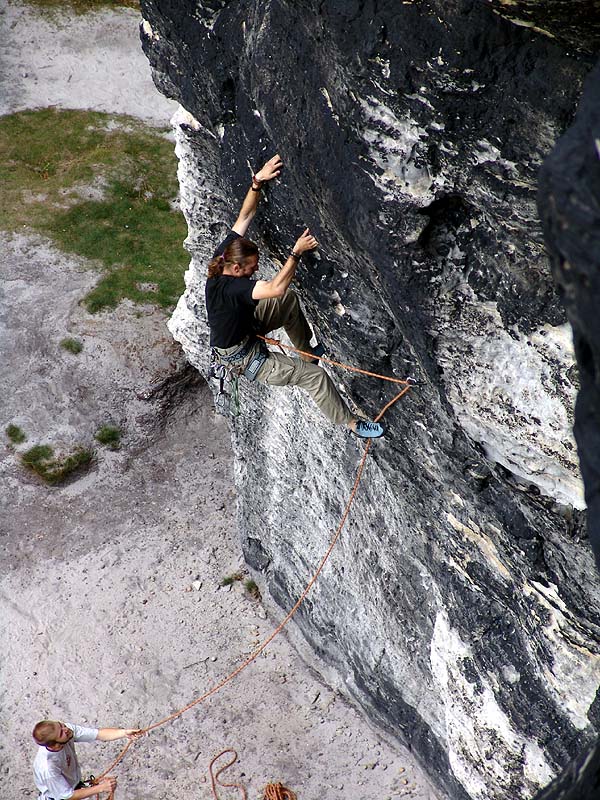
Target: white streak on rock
(575, 672)
(393, 145)
(511, 395)
(483, 542)
(147, 30)
(483, 748)
(183, 117)
(325, 94)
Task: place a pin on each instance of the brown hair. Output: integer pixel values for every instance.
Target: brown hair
(235, 253)
(44, 732)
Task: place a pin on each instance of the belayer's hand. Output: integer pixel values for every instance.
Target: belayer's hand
(272, 169)
(109, 784)
(133, 733)
(306, 242)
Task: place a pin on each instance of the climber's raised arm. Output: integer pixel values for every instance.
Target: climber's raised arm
(272, 169)
(278, 286)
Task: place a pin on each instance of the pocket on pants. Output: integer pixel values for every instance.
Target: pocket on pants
(281, 372)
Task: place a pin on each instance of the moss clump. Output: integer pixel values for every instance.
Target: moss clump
(41, 460)
(130, 231)
(229, 580)
(74, 346)
(252, 588)
(110, 436)
(15, 434)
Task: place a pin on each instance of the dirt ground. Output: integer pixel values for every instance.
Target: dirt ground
(112, 609)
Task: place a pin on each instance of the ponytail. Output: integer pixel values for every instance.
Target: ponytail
(235, 253)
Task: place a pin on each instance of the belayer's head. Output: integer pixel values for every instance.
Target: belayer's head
(239, 259)
(52, 735)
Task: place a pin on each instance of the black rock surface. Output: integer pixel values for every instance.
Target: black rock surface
(569, 205)
(461, 607)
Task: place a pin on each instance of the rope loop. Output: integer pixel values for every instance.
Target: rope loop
(215, 776)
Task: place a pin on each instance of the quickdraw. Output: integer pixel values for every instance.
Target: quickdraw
(227, 401)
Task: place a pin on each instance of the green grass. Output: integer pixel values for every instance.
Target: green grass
(110, 436)
(229, 580)
(252, 588)
(83, 6)
(74, 346)
(41, 460)
(15, 434)
(131, 232)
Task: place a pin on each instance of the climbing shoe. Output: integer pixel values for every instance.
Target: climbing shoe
(368, 430)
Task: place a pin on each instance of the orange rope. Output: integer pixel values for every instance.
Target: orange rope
(347, 367)
(253, 656)
(214, 777)
(277, 791)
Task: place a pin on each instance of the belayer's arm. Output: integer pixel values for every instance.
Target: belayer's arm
(270, 170)
(110, 734)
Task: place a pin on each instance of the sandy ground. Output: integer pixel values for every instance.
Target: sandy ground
(111, 606)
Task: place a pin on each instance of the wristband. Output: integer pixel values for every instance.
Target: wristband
(297, 256)
(256, 184)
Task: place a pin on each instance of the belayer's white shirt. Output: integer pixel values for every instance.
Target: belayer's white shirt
(57, 774)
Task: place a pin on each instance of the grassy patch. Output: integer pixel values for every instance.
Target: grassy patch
(229, 580)
(15, 434)
(110, 436)
(131, 232)
(74, 346)
(41, 460)
(252, 588)
(83, 6)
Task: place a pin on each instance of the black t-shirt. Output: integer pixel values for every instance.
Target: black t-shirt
(229, 305)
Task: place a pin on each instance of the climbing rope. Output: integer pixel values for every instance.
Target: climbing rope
(274, 788)
(214, 776)
(347, 367)
(277, 791)
(273, 791)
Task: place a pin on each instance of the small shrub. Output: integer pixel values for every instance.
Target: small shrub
(74, 346)
(252, 588)
(41, 460)
(15, 434)
(110, 436)
(229, 580)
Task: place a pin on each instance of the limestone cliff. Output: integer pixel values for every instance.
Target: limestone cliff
(461, 608)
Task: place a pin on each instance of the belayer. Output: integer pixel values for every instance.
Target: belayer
(238, 308)
(56, 767)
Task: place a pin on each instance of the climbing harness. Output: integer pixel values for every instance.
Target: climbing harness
(227, 367)
(406, 386)
(234, 361)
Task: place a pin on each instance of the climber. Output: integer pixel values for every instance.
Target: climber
(56, 768)
(238, 308)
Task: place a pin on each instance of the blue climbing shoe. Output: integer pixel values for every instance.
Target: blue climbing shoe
(368, 430)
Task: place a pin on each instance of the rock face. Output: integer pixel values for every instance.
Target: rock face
(570, 211)
(461, 607)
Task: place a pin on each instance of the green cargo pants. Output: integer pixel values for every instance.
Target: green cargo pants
(283, 370)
